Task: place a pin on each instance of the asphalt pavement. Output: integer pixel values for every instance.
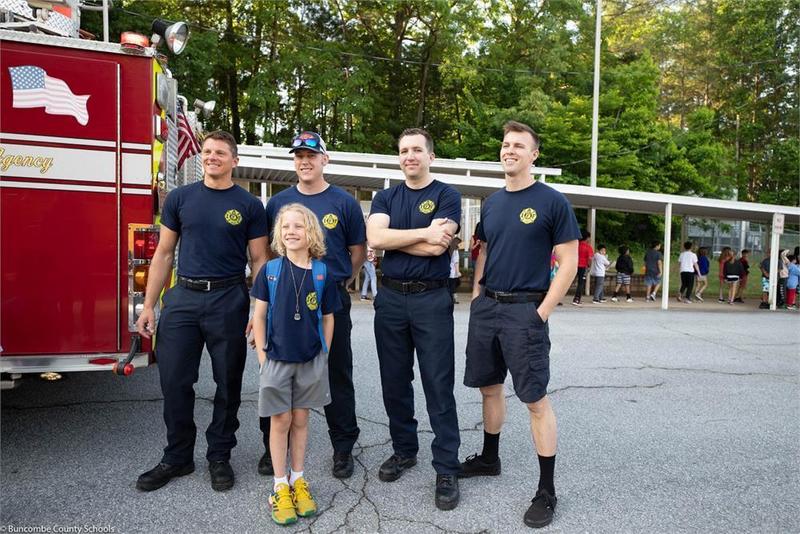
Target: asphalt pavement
(679, 421)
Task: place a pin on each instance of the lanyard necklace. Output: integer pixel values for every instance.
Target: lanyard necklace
(297, 290)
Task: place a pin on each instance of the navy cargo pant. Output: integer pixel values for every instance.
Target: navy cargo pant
(188, 320)
(421, 321)
(341, 412)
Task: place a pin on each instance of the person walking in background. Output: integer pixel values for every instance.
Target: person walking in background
(724, 257)
(732, 270)
(744, 259)
(703, 266)
(792, 282)
(455, 273)
(598, 272)
(783, 275)
(764, 268)
(624, 267)
(370, 279)
(653, 266)
(585, 253)
(474, 247)
(688, 269)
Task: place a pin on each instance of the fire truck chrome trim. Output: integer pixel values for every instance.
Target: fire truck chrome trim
(64, 363)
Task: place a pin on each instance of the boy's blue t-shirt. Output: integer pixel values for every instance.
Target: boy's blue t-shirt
(703, 264)
(520, 229)
(295, 341)
(215, 226)
(794, 276)
(340, 217)
(415, 208)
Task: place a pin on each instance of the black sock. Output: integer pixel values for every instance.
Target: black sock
(627, 295)
(491, 446)
(547, 465)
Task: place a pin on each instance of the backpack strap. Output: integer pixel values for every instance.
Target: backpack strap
(319, 272)
(272, 273)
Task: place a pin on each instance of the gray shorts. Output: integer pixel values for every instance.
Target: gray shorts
(286, 385)
(505, 338)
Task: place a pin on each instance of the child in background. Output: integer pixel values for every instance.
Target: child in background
(598, 273)
(764, 268)
(293, 328)
(792, 282)
(624, 267)
(703, 266)
(733, 272)
(724, 256)
(783, 275)
(688, 269)
(745, 260)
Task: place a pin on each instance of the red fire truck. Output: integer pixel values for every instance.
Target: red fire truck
(88, 150)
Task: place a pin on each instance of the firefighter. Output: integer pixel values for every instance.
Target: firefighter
(342, 222)
(414, 222)
(217, 222)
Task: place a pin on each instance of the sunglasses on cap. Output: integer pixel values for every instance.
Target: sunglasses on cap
(310, 141)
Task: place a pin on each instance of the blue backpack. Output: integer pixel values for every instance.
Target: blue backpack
(319, 272)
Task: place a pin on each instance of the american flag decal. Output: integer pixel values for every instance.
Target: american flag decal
(33, 88)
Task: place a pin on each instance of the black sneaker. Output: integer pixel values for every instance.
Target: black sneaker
(392, 468)
(739, 300)
(265, 465)
(221, 475)
(447, 493)
(763, 306)
(342, 464)
(161, 474)
(540, 512)
(474, 466)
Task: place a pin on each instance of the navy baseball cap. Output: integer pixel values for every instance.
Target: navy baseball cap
(308, 140)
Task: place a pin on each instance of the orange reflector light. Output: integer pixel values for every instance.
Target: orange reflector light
(140, 278)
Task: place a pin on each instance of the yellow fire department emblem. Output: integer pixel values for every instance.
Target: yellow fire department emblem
(233, 217)
(427, 207)
(330, 221)
(527, 216)
(311, 301)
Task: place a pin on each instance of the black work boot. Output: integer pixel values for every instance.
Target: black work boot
(265, 465)
(392, 468)
(447, 493)
(161, 474)
(342, 464)
(221, 475)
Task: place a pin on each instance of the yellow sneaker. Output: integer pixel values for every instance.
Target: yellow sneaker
(282, 505)
(303, 501)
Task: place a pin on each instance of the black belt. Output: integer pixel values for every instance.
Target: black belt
(515, 298)
(209, 285)
(412, 286)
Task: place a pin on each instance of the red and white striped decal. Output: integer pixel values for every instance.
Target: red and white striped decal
(73, 164)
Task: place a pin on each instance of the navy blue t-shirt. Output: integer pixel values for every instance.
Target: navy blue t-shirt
(295, 341)
(521, 228)
(415, 208)
(214, 226)
(341, 219)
